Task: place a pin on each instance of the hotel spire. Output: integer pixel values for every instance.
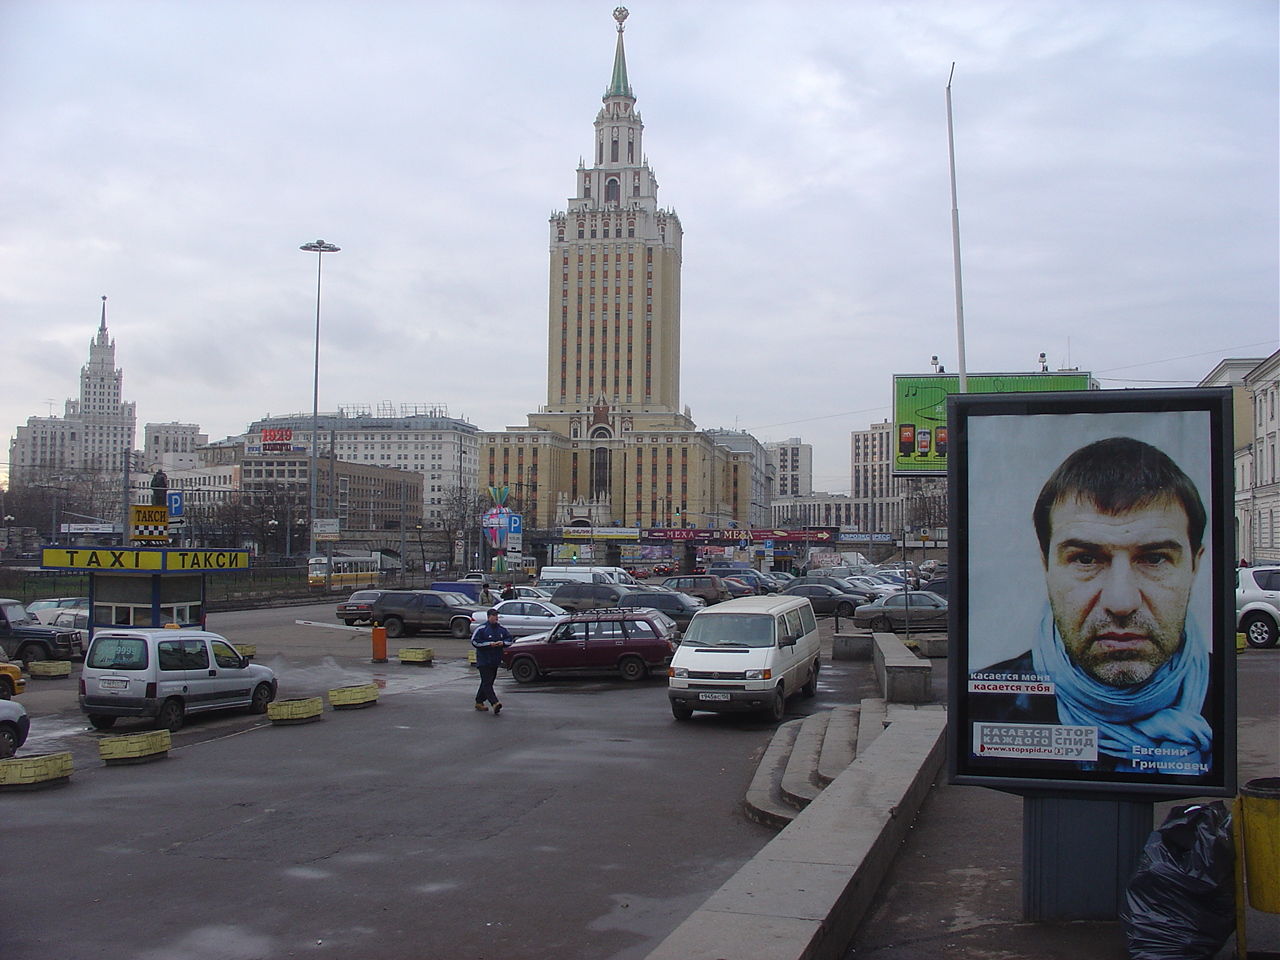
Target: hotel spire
(618, 86)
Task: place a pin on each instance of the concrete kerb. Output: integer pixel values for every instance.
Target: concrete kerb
(805, 893)
(903, 677)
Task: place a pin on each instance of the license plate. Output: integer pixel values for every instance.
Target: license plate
(713, 696)
(114, 684)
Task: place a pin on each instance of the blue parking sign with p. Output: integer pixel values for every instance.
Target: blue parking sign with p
(174, 498)
(515, 524)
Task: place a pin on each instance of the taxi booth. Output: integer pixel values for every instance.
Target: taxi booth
(145, 587)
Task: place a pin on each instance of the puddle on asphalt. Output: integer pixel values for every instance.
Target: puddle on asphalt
(318, 679)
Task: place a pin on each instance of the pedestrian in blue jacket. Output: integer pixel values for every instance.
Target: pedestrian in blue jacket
(489, 641)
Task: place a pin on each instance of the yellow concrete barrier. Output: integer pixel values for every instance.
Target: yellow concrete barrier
(353, 697)
(283, 712)
(50, 668)
(135, 747)
(422, 656)
(41, 770)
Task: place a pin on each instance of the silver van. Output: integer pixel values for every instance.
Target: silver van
(166, 674)
(746, 654)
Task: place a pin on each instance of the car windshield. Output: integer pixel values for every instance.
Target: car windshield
(457, 599)
(730, 630)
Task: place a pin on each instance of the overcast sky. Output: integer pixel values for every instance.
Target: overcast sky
(1117, 167)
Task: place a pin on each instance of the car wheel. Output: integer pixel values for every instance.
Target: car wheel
(524, 670)
(262, 696)
(171, 715)
(394, 627)
(8, 741)
(461, 629)
(681, 712)
(632, 668)
(810, 688)
(99, 722)
(6, 688)
(32, 652)
(882, 624)
(1259, 631)
(777, 706)
(844, 609)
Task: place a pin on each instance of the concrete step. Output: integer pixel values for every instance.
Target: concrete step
(807, 754)
(840, 745)
(873, 715)
(799, 777)
(764, 803)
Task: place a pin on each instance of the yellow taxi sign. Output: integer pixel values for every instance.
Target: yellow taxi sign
(149, 522)
(112, 560)
(102, 559)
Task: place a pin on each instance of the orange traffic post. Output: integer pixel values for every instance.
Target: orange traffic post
(379, 643)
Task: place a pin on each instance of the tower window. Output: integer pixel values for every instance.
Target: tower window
(612, 192)
(613, 151)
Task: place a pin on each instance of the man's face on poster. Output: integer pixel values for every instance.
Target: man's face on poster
(1119, 585)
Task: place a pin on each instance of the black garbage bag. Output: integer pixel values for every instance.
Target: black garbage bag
(1181, 902)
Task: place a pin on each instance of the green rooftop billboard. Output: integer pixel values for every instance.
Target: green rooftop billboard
(920, 411)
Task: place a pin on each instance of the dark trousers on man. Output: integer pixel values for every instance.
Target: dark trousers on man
(488, 674)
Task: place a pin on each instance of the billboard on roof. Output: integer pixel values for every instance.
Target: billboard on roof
(920, 411)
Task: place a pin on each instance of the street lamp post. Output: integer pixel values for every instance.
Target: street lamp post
(319, 248)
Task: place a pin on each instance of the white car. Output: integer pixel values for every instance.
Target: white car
(1258, 605)
(43, 611)
(166, 674)
(523, 618)
(532, 593)
(14, 725)
(77, 619)
(880, 588)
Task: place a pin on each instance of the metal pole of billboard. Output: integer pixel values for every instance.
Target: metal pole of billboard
(319, 248)
(955, 240)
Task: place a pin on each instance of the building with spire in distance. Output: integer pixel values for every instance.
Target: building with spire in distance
(612, 445)
(94, 435)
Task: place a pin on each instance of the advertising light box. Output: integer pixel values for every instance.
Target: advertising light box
(920, 412)
(1092, 623)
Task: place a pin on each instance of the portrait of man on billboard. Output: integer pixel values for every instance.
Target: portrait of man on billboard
(1092, 595)
(1121, 534)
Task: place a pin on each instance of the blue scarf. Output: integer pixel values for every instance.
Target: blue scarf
(1162, 714)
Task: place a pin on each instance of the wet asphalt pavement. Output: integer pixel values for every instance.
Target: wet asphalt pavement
(583, 822)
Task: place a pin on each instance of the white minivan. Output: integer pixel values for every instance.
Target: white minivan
(587, 574)
(746, 654)
(166, 674)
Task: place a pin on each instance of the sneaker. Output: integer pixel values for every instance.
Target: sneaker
(482, 706)
(497, 709)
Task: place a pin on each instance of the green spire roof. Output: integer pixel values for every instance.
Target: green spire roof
(618, 86)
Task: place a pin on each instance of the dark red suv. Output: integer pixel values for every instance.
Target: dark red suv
(632, 642)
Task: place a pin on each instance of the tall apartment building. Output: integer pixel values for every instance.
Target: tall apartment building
(420, 438)
(171, 446)
(793, 467)
(612, 444)
(96, 430)
(877, 495)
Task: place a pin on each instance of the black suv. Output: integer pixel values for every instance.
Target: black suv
(841, 584)
(576, 597)
(680, 607)
(404, 612)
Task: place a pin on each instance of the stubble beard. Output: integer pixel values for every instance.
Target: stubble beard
(1124, 668)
